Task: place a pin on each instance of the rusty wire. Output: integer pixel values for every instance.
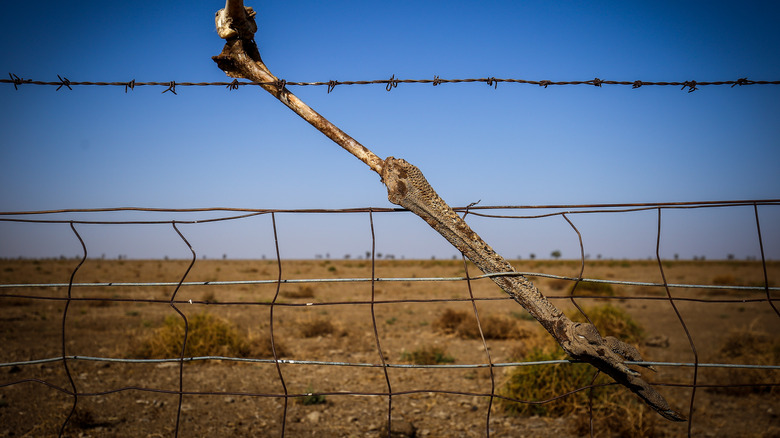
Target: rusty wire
(390, 84)
(388, 392)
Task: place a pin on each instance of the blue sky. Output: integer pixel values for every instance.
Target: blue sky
(98, 147)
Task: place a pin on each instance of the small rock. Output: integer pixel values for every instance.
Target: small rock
(313, 417)
(658, 341)
(400, 429)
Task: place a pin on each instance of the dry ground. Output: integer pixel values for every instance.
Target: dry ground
(122, 399)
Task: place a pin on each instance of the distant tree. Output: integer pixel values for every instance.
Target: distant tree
(532, 256)
(346, 256)
(730, 256)
(556, 254)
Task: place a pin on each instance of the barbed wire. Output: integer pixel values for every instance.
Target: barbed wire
(393, 82)
(231, 214)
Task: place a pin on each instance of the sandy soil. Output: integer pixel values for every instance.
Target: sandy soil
(229, 398)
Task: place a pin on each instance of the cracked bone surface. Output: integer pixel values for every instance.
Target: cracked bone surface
(407, 187)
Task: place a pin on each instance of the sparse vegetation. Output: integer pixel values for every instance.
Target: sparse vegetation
(595, 288)
(427, 356)
(747, 346)
(464, 325)
(301, 292)
(311, 398)
(316, 327)
(207, 335)
(616, 409)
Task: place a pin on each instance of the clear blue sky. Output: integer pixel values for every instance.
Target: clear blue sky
(520, 144)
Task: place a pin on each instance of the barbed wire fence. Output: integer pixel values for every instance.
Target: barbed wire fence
(390, 84)
(67, 357)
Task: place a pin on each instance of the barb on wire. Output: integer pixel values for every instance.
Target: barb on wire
(64, 82)
(171, 87)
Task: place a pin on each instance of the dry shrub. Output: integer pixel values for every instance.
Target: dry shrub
(558, 283)
(207, 335)
(616, 410)
(725, 280)
(302, 292)
(595, 288)
(465, 326)
(316, 327)
(747, 346)
(427, 356)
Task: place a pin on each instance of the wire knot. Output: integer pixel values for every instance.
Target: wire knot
(280, 84)
(637, 84)
(16, 80)
(691, 86)
(741, 82)
(63, 83)
(492, 81)
(597, 82)
(332, 85)
(233, 85)
(171, 88)
(130, 85)
(391, 83)
(436, 80)
(545, 83)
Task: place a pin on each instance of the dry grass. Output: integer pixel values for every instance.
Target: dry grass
(315, 327)
(747, 346)
(464, 325)
(615, 409)
(593, 288)
(207, 335)
(427, 356)
(301, 292)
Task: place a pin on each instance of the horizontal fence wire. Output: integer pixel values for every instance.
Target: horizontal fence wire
(392, 82)
(232, 214)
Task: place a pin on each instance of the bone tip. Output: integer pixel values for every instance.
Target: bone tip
(673, 415)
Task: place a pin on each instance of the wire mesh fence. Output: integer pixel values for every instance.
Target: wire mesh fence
(77, 357)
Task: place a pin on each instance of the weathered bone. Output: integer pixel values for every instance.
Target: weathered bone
(407, 187)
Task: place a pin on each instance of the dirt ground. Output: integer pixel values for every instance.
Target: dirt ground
(233, 398)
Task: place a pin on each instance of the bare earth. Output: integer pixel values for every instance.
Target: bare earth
(232, 398)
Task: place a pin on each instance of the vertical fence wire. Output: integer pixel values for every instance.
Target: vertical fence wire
(763, 261)
(271, 318)
(376, 329)
(186, 327)
(64, 336)
(482, 338)
(682, 323)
